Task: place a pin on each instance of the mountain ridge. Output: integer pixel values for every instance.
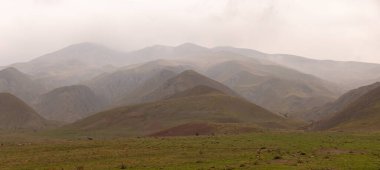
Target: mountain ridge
(171, 112)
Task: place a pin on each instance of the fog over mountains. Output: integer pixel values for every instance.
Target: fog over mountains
(215, 85)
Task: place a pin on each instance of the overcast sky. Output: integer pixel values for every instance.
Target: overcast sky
(322, 29)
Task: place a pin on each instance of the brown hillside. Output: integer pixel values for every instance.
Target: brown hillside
(145, 119)
(362, 114)
(15, 114)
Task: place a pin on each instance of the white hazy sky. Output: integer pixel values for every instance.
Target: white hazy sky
(322, 29)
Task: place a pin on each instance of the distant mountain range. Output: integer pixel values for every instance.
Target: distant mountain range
(84, 61)
(75, 83)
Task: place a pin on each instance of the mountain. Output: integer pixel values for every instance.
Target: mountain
(284, 84)
(184, 81)
(361, 113)
(15, 114)
(347, 74)
(20, 84)
(213, 106)
(341, 103)
(72, 64)
(69, 103)
(186, 50)
(146, 87)
(280, 89)
(128, 84)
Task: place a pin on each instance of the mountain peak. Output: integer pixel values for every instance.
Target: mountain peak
(190, 72)
(190, 46)
(83, 46)
(186, 80)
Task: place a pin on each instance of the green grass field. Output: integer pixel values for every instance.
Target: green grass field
(269, 150)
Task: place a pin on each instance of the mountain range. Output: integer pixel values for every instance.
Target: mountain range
(197, 104)
(90, 86)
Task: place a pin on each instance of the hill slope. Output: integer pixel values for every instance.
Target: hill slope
(348, 75)
(184, 81)
(19, 84)
(70, 103)
(277, 88)
(341, 103)
(144, 119)
(130, 83)
(15, 114)
(361, 114)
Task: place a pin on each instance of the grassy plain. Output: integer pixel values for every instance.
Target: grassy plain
(259, 150)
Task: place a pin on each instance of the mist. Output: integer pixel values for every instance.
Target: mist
(334, 29)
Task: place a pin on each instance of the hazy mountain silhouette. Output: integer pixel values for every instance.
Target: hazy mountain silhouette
(69, 103)
(274, 87)
(20, 84)
(184, 81)
(73, 64)
(129, 84)
(348, 75)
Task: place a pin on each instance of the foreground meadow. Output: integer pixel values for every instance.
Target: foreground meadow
(269, 150)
